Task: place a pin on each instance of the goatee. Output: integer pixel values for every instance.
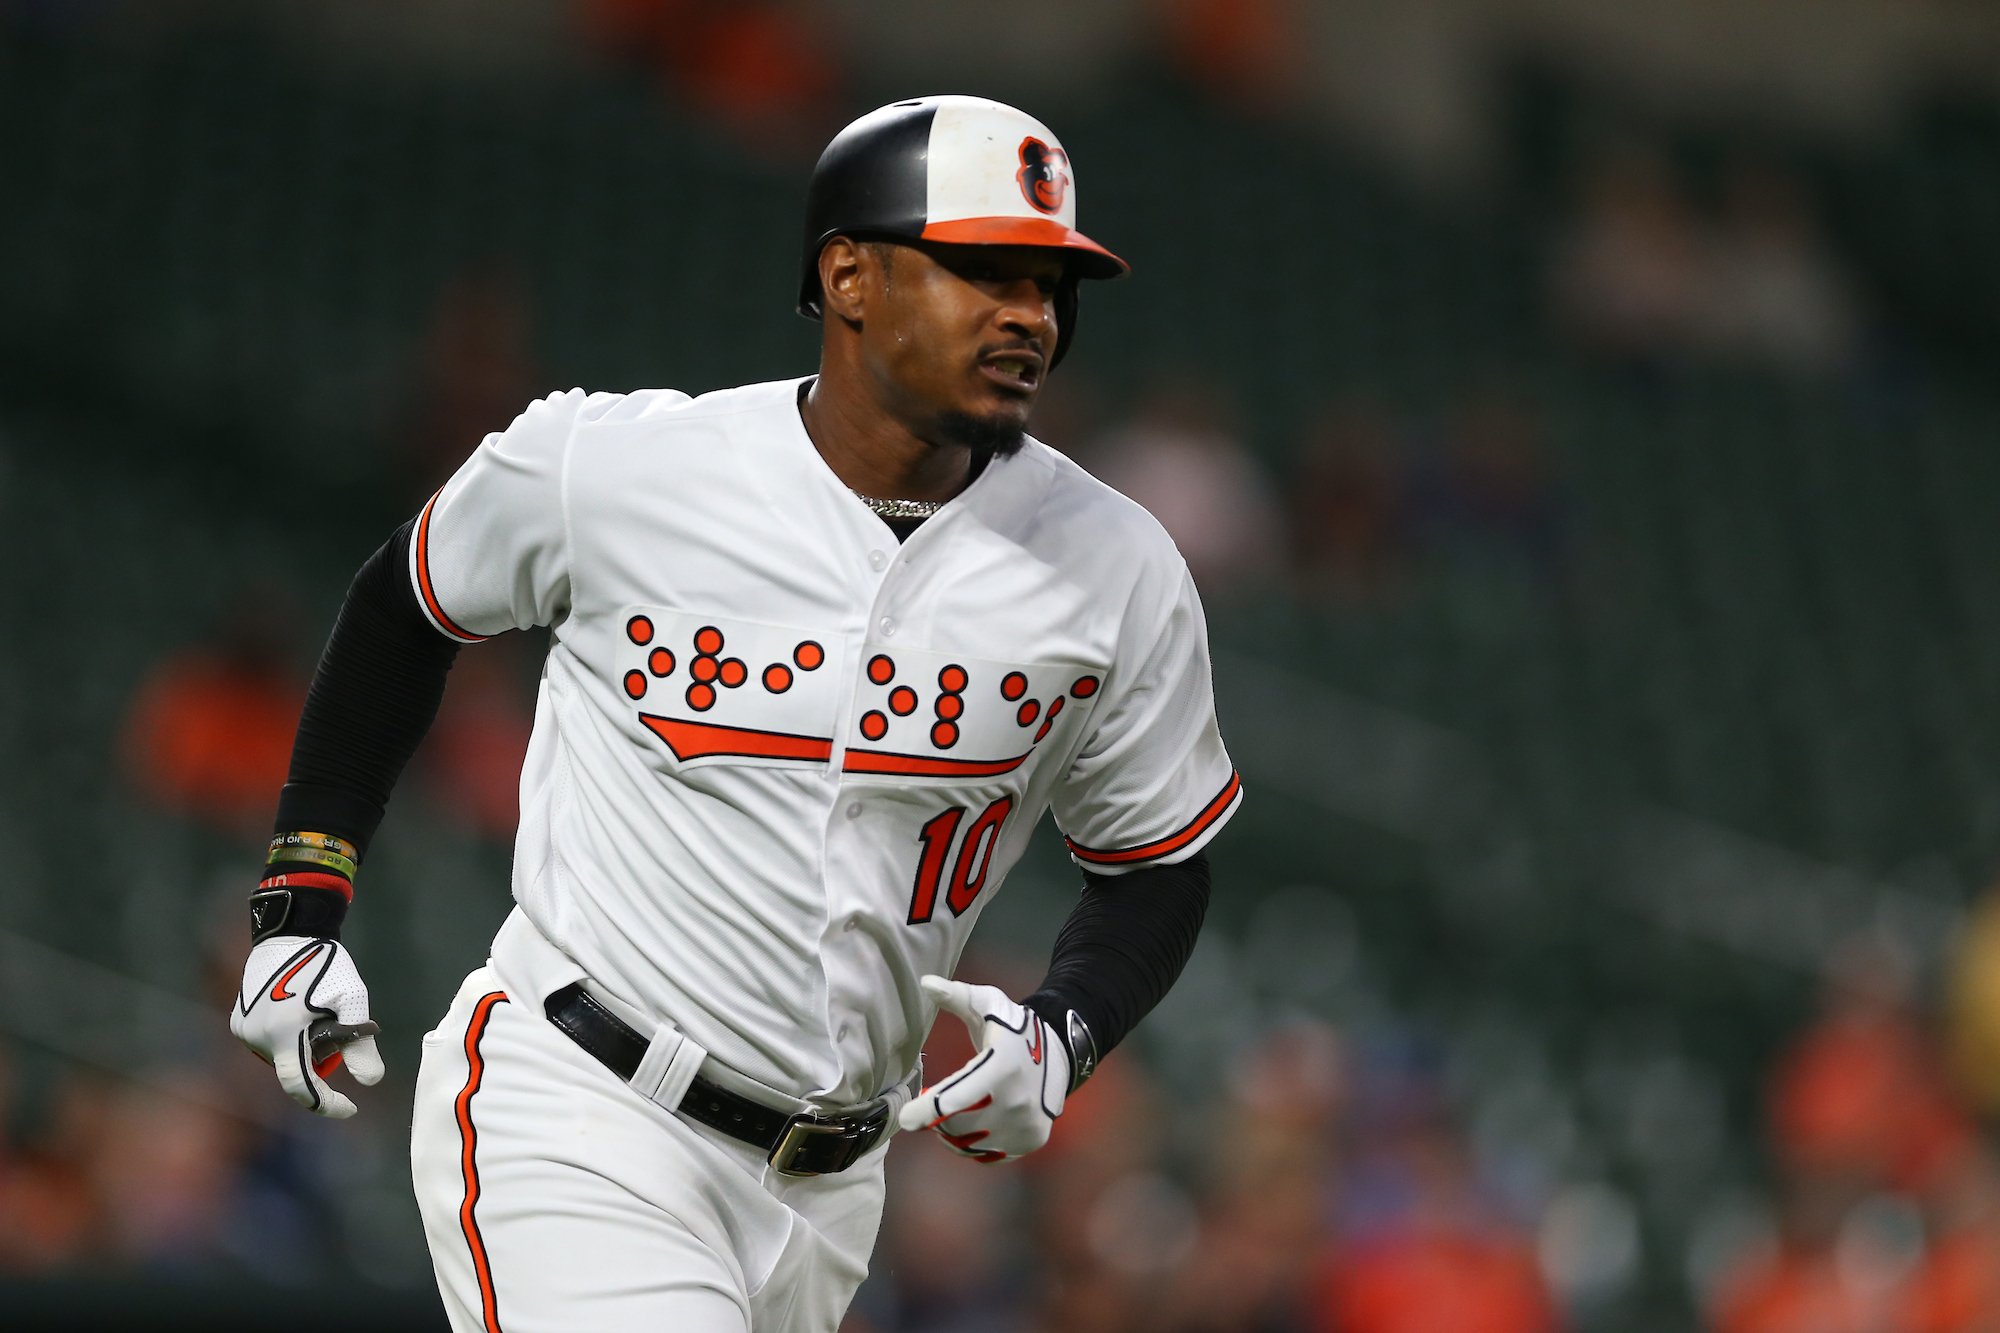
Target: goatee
(986, 437)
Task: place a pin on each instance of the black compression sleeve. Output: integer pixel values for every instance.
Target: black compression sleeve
(1122, 947)
(377, 688)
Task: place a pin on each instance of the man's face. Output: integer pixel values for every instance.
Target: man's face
(958, 338)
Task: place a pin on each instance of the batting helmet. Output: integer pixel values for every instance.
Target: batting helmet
(957, 170)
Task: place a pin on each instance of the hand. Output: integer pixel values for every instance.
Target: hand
(302, 1009)
(1005, 1100)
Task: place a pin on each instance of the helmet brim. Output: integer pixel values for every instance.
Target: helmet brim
(1086, 257)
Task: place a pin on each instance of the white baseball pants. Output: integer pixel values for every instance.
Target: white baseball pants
(557, 1199)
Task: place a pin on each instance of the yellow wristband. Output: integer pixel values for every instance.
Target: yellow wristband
(320, 849)
(325, 842)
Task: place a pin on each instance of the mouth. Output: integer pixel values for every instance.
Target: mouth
(1018, 370)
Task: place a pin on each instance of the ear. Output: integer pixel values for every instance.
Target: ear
(841, 278)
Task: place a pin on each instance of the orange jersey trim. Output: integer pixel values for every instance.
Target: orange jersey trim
(423, 543)
(468, 1137)
(1173, 842)
(698, 740)
(923, 766)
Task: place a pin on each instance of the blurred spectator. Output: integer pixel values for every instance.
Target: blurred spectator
(1181, 458)
(1812, 1282)
(762, 68)
(1350, 522)
(1265, 1215)
(1776, 294)
(210, 730)
(949, 1242)
(1973, 1011)
(1641, 279)
(1957, 1288)
(471, 759)
(1496, 505)
(1246, 54)
(1629, 274)
(474, 373)
(1861, 1094)
(166, 1170)
(50, 1213)
(1447, 1258)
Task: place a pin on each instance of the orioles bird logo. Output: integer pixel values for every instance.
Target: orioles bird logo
(1044, 174)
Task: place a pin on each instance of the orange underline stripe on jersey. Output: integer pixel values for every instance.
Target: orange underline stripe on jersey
(423, 544)
(858, 760)
(698, 740)
(1173, 842)
(489, 1301)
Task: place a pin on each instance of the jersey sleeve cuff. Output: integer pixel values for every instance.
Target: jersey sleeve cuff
(1179, 845)
(420, 578)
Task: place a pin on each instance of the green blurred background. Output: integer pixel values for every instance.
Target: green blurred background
(1582, 425)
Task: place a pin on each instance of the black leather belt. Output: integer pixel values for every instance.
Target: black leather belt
(795, 1145)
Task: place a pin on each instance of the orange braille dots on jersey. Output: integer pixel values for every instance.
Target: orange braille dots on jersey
(1085, 687)
(902, 701)
(733, 672)
(639, 630)
(881, 670)
(704, 669)
(660, 662)
(949, 706)
(1014, 686)
(635, 684)
(874, 726)
(808, 655)
(701, 698)
(1025, 716)
(777, 678)
(708, 640)
(1055, 706)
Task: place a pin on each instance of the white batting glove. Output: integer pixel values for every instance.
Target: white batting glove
(1005, 1100)
(303, 1009)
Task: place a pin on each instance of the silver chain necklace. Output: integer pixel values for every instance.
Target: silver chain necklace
(900, 508)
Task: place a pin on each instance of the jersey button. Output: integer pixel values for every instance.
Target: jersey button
(888, 626)
(841, 1034)
(854, 810)
(877, 559)
(853, 923)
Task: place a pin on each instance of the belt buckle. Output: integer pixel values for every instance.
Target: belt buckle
(800, 1130)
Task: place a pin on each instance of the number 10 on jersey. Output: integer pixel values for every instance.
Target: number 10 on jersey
(968, 869)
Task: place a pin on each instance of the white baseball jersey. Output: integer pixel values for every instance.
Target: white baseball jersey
(780, 763)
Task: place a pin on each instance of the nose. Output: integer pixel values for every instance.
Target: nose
(1026, 311)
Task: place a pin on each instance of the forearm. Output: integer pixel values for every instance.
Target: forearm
(1123, 947)
(372, 699)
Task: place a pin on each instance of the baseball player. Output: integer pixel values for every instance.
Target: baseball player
(822, 653)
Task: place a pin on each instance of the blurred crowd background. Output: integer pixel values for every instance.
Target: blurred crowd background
(1577, 416)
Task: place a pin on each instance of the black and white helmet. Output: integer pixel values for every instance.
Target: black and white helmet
(955, 170)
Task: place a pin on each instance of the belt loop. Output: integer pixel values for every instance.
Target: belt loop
(671, 1061)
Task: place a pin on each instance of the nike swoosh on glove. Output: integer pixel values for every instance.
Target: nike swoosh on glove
(302, 1009)
(1004, 1101)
